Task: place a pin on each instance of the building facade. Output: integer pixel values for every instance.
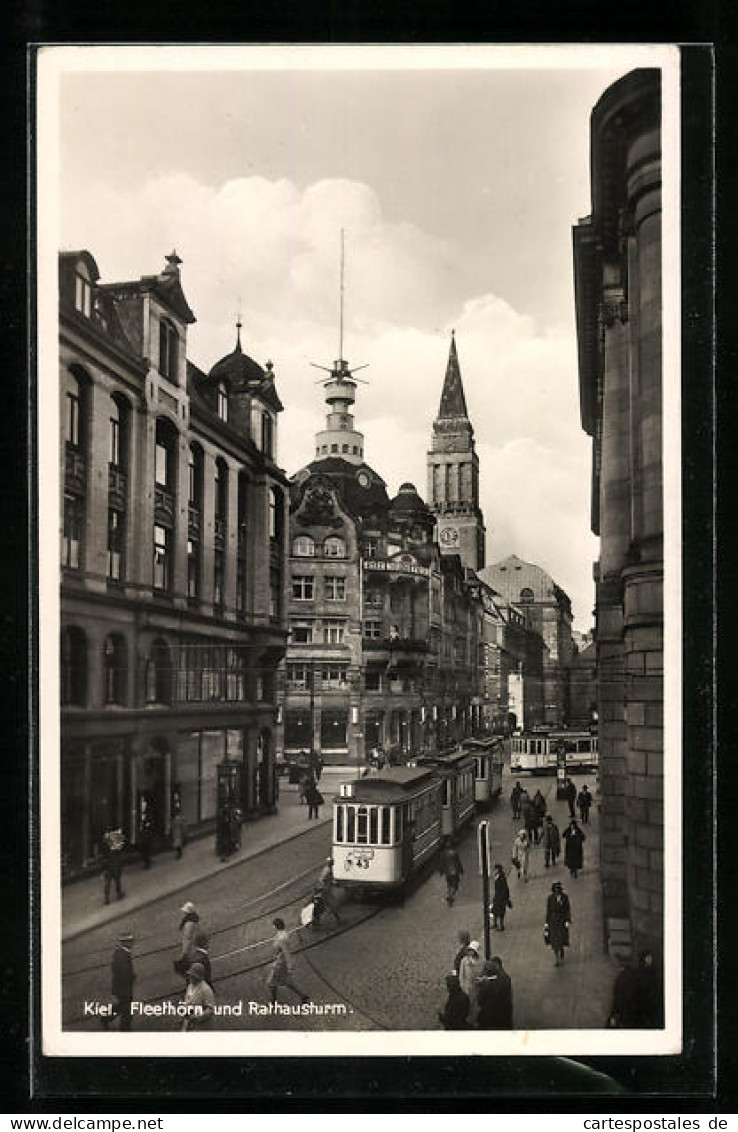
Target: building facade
(617, 267)
(385, 645)
(173, 566)
(547, 612)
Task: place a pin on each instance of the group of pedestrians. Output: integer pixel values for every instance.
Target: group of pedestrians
(479, 991)
(546, 833)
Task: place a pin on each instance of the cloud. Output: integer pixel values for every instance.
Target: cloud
(271, 250)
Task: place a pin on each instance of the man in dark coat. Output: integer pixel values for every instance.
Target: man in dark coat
(558, 919)
(451, 868)
(122, 982)
(637, 996)
(574, 852)
(584, 801)
(500, 900)
(551, 840)
(455, 1013)
(112, 862)
(494, 997)
(570, 795)
(515, 793)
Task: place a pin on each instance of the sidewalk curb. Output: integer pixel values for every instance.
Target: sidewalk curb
(219, 867)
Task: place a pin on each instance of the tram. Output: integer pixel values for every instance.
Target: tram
(488, 757)
(535, 752)
(456, 770)
(386, 826)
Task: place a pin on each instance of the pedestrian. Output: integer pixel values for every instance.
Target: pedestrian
(529, 816)
(469, 971)
(314, 799)
(178, 834)
(539, 810)
(521, 854)
(455, 1014)
(501, 899)
(494, 996)
(515, 800)
(464, 939)
(318, 768)
(551, 841)
(199, 1000)
(145, 833)
(281, 970)
(188, 926)
(112, 863)
(637, 998)
(584, 802)
(123, 978)
(558, 919)
(573, 851)
(323, 895)
(451, 868)
(199, 953)
(570, 795)
(306, 780)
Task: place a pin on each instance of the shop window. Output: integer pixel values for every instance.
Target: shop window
(297, 730)
(115, 667)
(73, 673)
(333, 729)
(373, 680)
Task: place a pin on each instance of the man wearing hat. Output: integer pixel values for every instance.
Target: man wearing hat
(188, 926)
(122, 984)
(281, 970)
(199, 1000)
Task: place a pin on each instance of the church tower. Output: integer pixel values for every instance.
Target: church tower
(453, 473)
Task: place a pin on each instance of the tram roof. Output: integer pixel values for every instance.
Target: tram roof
(394, 781)
(450, 760)
(473, 745)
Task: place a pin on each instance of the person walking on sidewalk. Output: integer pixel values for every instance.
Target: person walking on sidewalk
(188, 926)
(500, 900)
(145, 833)
(584, 802)
(199, 954)
(515, 793)
(455, 1014)
(282, 968)
(123, 978)
(574, 852)
(558, 919)
(112, 863)
(178, 834)
(451, 868)
(570, 795)
(469, 972)
(199, 1000)
(521, 854)
(494, 995)
(551, 841)
(539, 812)
(314, 799)
(464, 939)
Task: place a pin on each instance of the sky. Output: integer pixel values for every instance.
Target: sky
(457, 190)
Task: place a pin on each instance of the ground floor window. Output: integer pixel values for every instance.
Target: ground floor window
(333, 729)
(297, 730)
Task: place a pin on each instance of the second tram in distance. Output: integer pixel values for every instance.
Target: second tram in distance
(535, 752)
(488, 757)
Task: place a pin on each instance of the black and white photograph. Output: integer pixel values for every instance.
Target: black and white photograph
(359, 424)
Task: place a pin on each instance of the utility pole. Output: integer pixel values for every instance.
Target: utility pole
(484, 844)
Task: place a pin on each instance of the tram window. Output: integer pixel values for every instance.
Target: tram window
(351, 823)
(447, 791)
(361, 826)
(373, 824)
(339, 823)
(385, 825)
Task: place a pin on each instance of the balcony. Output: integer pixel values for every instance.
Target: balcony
(75, 469)
(163, 505)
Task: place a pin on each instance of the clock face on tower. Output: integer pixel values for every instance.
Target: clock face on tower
(449, 536)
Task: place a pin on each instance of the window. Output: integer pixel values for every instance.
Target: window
(275, 592)
(159, 674)
(162, 564)
(335, 588)
(222, 401)
(303, 547)
(335, 676)
(372, 630)
(344, 447)
(267, 434)
(333, 729)
(334, 547)
(116, 532)
(373, 680)
(371, 547)
(374, 598)
(115, 669)
(526, 595)
(241, 584)
(242, 511)
(302, 632)
(218, 579)
(297, 730)
(82, 295)
(162, 464)
(333, 632)
(334, 448)
(73, 413)
(73, 674)
(194, 475)
(168, 350)
(115, 434)
(221, 490)
(72, 532)
(303, 587)
(275, 514)
(297, 677)
(193, 569)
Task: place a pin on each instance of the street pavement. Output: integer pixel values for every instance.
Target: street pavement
(82, 900)
(386, 963)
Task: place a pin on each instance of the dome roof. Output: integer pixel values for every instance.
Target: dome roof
(408, 500)
(362, 490)
(238, 369)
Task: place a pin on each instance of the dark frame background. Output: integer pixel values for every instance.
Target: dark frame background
(420, 1084)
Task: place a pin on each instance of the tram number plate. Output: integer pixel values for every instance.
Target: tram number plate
(360, 858)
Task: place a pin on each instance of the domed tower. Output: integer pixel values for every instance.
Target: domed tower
(339, 437)
(453, 473)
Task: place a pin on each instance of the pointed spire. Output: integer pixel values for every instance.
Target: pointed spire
(173, 261)
(238, 349)
(453, 402)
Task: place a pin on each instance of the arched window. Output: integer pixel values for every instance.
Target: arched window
(166, 449)
(73, 675)
(526, 595)
(195, 475)
(303, 547)
(73, 421)
(168, 350)
(159, 674)
(222, 400)
(221, 489)
(115, 669)
(334, 547)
